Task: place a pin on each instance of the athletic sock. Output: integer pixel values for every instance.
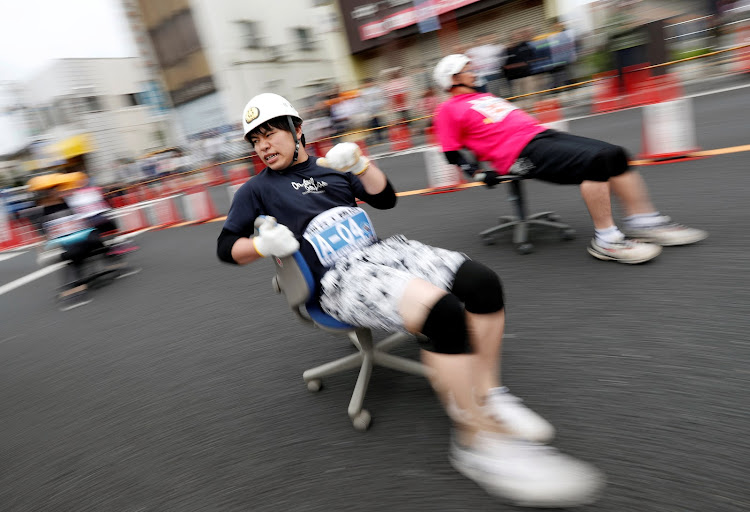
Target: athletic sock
(610, 235)
(645, 220)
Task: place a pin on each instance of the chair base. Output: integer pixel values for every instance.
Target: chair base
(520, 229)
(368, 355)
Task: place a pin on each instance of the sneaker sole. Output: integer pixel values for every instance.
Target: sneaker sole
(672, 244)
(606, 257)
(478, 477)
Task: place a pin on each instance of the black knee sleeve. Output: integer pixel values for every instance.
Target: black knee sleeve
(479, 288)
(446, 326)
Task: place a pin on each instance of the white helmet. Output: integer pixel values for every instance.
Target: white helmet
(265, 107)
(447, 67)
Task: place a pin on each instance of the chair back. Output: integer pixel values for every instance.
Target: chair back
(294, 279)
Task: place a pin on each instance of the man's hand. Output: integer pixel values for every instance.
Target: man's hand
(274, 239)
(346, 157)
(489, 178)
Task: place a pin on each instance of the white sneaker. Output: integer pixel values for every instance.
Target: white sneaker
(510, 412)
(526, 474)
(624, 250)
(667, 233)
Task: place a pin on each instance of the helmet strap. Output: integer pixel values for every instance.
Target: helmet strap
(296, 140)
(464, 85)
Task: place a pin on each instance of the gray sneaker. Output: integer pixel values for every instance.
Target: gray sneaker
(667, 233)
(624, 251)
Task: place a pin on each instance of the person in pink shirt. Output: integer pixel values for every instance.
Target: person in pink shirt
(513, 142)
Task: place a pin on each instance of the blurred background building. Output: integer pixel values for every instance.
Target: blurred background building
(88, 112)
(416, 33)
(214, 55)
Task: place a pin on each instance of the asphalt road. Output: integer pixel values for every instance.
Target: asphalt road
(180, 389)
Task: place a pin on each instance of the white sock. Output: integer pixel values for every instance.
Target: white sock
(609, 235)
(645, 220)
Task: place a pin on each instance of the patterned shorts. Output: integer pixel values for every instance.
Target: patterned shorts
(365, 288)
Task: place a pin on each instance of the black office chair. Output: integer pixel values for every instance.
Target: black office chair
(521, 221)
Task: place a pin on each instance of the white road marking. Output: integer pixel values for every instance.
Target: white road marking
(30, 277)
(7, 256)
(46, 270)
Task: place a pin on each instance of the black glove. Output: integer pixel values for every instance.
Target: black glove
(469, 169)
(489, 178)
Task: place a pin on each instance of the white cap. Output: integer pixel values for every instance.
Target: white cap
(447, 67)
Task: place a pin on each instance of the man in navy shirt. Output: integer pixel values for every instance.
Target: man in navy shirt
(399, 284)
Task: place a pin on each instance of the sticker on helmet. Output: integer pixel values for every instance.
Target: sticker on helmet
(251, 114)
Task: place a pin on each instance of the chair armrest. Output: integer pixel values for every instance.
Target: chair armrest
(303, 317)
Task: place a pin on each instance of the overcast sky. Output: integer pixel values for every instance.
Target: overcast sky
(32, 32)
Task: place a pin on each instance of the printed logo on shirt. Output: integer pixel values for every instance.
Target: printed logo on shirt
(493, 109)
(310, 186)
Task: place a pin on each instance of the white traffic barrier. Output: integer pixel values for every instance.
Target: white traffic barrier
(163, 212)
(668, 130)
(232, 190)
(440, 173)
(199, 206)
(131, 218)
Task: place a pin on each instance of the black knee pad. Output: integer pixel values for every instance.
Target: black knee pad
(446, 327)
(479, 288)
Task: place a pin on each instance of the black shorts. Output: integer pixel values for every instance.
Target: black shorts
(566, 159)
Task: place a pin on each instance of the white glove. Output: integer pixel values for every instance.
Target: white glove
(345, 157)
(275, 239)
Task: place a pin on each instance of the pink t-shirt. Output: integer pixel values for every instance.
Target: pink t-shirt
(494, 129)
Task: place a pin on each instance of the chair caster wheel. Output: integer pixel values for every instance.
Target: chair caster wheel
(362, 420)
(525, 248)
(568, 234)
(488, 240)
(314, 385)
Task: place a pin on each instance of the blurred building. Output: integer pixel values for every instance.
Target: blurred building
(91, 112)
(13, 126)
(12, 118)
(214, 55)
(414, 34)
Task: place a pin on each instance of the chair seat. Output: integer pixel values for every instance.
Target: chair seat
(325, 320)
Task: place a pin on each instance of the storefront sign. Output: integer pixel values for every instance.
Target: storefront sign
(409, 16)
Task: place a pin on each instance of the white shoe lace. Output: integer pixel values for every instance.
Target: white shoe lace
(623, 243)
(505, 407)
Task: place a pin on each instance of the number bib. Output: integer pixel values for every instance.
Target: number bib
(338, 232)
(65, 226)
(87, 201)
(494, 109)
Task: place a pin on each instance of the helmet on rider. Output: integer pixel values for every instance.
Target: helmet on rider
(269, 110)
(447, 68)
